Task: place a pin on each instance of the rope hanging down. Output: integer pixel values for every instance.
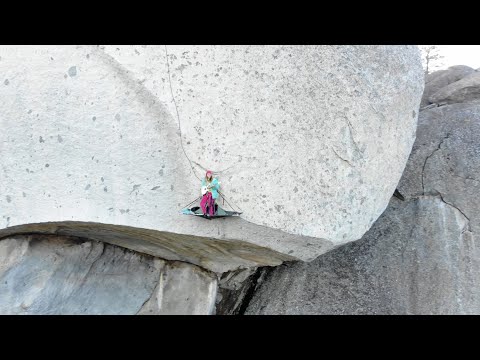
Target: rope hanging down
(223, 196)
(178, 116)
(180, 128)
(181, 138)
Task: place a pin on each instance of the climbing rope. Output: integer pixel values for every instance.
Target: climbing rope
(180, 128)
(178, 116)
(223, 196)
(215, 172)
(186, 206)
(224, 199)
(181, 141)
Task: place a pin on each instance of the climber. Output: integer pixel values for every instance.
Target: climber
(208, 208)
(210, 186)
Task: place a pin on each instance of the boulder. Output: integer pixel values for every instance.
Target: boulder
(464, 90)
(434, 75)
(441, 78)
(109, 142)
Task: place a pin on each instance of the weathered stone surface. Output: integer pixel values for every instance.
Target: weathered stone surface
(183, 289)
(418, 258)
(233, 289)
(42, 274)
(464, 90)
(445, 159)
(309, 141)
(421, 256)
(434, 75)
(210, 253)
(439, 79)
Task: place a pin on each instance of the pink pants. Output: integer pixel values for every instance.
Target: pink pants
(208, 201)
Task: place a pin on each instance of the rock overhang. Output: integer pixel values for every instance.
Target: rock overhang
(94, 137)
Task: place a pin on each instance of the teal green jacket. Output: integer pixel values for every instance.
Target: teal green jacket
(215, 185)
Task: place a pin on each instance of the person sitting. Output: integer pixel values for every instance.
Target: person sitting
(210, 186)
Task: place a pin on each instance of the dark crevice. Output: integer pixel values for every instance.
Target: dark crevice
(429, 106)
(94, 262)
(256, 278)
(433, 105)
(398, 195)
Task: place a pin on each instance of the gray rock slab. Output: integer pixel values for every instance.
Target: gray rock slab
(418, 258)
(464, 90)
(61, 275)
(441, 78)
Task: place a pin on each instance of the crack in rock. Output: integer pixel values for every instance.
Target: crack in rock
(469, 229)
(353, 131)
(93, 263)
(428, 157)
(431, 106)
(154, 291)
(341, 158)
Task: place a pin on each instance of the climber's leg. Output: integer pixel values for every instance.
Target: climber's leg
(203, 204)
(212, 206)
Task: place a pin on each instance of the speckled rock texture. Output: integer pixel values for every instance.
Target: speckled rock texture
(59, 275)
(418, 258)
(308, 141)
(442, 78)
(422, 256)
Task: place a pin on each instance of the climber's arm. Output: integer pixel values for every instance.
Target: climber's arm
(215, 184)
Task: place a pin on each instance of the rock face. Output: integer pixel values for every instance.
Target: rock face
(464, 90)
(445, 159)
(441, 78)
(418, 258)
(421, 256)
(41, 274)
(236, 288)
(309, 141)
